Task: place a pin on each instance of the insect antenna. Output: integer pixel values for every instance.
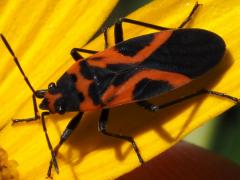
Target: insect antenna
(17, 63)
(38, 94)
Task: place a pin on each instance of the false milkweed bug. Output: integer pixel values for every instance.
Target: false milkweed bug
(134, 70)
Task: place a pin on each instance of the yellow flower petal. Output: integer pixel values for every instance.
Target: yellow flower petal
(42, 35)
(88, 154)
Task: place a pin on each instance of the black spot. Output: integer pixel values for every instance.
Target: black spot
(102, 78)
(96, 58)
(122, 72)
(71, 97)
(93, 93)
(85, 70)
(119, 67)
(66, 83)
(73, 77)
(132, 46)
(124, 76)
(80, 97)
(147, 88)
(191, 52)
(44, 104)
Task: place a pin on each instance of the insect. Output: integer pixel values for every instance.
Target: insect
(132, 71)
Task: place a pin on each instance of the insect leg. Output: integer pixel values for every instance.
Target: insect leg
(75, 51)
(102, 126)
(196, 6)
(54, 161)
(66, 133)
(76, 56)
(220, 94)
(118, 30)
(152, 107)
(36, 116)
(105, 38)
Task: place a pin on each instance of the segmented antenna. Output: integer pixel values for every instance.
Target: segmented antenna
(17, 63)
(38, 94)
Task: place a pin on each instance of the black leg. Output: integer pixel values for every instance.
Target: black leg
(75, 51)
(54, 161)
(105, 38)
(76, 56)
(36, 116)
(151, 107)
(118, 30)
(66, 133)
(190, 15)
(103, 129)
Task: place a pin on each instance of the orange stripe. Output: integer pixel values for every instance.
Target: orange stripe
(123, 94)
(111, 56)
(82, 85)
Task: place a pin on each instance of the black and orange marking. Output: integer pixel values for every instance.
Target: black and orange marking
(134, 70)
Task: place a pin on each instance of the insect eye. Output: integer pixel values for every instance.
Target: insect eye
(52, 88)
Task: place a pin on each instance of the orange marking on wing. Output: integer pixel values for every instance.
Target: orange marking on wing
(109, 94)
(123, 94)
(82, 85)
(111, 56)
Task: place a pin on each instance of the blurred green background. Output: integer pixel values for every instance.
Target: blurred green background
(219, 135)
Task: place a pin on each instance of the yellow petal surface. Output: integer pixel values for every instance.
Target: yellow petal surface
(43, 47)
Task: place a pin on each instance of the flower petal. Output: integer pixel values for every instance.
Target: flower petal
(42, 35)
